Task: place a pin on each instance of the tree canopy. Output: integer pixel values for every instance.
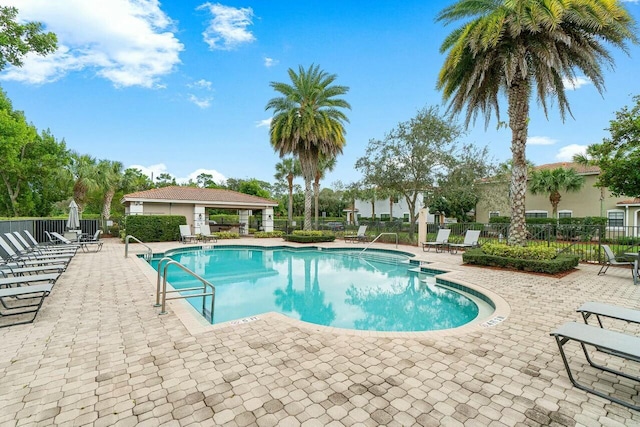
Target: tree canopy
(17, 40)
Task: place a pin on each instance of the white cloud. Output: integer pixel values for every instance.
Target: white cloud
(218, 178)
(567, 153)
(270, 62)
(540, 140)
(128, 42)
(575, 83)
(152, 171)
(200, 102)
(201, 84)
(264, 123)
(228, 28)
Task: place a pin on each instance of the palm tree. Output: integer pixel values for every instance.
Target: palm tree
(288, 168)
(111, 179)
(308, 122)
(84, 170)
(325, 164)
(516, 46)
(553, 181)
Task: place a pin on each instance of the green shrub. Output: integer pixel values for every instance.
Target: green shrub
(559, 264)
(154, 228)
(227, 235)
(310, 233)
(519, 252)
(268, 234)
(316, 238)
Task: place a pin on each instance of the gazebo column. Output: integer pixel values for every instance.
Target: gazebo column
(267, 219)
(199, 218)
(244, 219)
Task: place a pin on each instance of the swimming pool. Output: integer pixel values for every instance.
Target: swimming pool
(379, 291)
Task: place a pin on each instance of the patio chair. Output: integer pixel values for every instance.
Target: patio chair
(10, 255)
(33, 279)
(360, 236)
(442, 238)
(24, 293)
(185, 234)
(205, 234)
(599, 309)
(610, 259)
(470, 241)
(21, 250)
(29, 245)
(61, 240)
(621, 345)
(87, 241)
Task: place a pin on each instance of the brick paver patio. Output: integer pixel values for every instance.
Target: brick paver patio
(99, 354)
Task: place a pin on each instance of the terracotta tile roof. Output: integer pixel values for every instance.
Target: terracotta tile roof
(211, 195)
(635, 201)
(587, 170)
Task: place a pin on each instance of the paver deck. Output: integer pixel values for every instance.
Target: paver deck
(99, 354)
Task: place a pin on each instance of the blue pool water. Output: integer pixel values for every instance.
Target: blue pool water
(331, 288)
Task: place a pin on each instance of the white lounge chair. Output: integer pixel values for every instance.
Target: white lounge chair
(610, 259)
(185, 234)
(205, 234)
(360, 236)
(471, 238)
(442, 238)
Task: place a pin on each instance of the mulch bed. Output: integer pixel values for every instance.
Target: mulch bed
(533, 273)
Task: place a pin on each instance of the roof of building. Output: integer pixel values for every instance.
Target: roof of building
(198, 195)
(581, 169)
(635, 201)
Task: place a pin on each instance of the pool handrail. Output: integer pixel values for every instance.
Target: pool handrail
(377, 237)
(162, 272)
(147, 256)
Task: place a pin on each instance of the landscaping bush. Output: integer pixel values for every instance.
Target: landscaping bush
(268, 234)
(154, 228)
(310, 236)
(532, 252)
(559, 264)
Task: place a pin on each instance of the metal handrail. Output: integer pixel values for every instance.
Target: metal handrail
(147, 256)
(162, 272)
(377, 237)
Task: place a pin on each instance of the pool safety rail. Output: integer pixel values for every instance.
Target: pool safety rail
(377, 237)
(161, 291)
(147, 256)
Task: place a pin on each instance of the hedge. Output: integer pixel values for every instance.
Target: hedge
(309, 239)
(267, 234)
(561, 263)
(154, 228)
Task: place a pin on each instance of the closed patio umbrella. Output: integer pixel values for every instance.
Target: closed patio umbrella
(73, 222)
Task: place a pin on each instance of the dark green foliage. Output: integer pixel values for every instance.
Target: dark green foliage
(267, 234)
(309, 239)
(155, 228)
(561, 263)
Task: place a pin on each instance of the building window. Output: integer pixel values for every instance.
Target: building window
(565, 214)
(616, 218)
(405, 216)
(536, 214)
(494, 214)
(384, 216)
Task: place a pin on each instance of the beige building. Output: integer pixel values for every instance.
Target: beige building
(192, 202)
(589, 201)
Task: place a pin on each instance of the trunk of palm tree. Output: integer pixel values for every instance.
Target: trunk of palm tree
(554, 198)
(373, 210)
(80, 195)
(308, 164)
(316, 196)
(106, 205)
(290, 212)
(391, 208)
(518, 96)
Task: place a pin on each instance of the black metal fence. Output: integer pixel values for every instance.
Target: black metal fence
(37, 227)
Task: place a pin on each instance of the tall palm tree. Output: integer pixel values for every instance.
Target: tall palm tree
(288, 168)
(308, 122)
(553, 181)
(84, 170)
(110, 179)
(325, 164)
(519, 46)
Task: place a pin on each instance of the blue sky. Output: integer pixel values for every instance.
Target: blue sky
(180, 86)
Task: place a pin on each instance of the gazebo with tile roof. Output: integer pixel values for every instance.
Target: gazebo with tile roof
(192, 202)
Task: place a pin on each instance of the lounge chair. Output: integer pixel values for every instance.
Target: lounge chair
(205, 234)
(615, 343)
(35, 292)
(87, 241)
(34, 279)
(442, 238)
(30, 246)
(636, 271)
(185, 234)
(13, 269)
(360, 236)
(61, 240)
(599, 309)
(13, 256)
(471, 238)
(610, 259)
